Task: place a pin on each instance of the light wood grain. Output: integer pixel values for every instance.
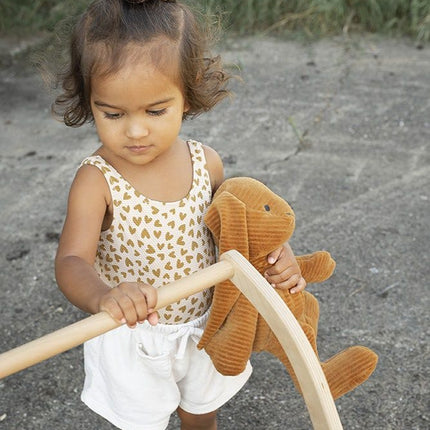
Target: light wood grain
(234, 266)
(75, 334)
(278, 316)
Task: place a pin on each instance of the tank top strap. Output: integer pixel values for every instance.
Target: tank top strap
(99, 162)
(201, 178)
(120, 189)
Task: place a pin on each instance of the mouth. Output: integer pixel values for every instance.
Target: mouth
(138, 149)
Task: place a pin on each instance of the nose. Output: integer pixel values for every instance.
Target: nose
(136, 129)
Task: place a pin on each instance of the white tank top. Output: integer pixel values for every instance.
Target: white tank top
(158, 242)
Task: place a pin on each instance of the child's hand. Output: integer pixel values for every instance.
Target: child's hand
(285, 272)
(131, 303)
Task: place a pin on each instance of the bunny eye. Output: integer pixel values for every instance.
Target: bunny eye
(267, 208)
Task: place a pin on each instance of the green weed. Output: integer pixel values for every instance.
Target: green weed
(318, 18)
(29, 16)
(315, 18)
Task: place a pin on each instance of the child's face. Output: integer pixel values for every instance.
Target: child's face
(137, 112)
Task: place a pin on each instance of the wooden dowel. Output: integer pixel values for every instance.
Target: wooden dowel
(284, 325)
(234, 266)
(73, 335)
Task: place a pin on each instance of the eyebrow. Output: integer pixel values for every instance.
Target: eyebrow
(159, 102)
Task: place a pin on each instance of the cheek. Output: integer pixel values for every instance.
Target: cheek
(105, 129)
(98, 124)
(172, 125)
(98, 118)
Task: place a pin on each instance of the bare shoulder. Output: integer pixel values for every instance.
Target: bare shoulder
(90, 182)
(215, 167)
(86, 212)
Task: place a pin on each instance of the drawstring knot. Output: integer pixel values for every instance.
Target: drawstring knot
(185, 333)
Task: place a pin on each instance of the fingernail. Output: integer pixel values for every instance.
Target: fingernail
(271, 260)
(123, 321)
(273, 285)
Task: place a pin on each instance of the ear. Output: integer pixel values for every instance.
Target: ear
(226, 219)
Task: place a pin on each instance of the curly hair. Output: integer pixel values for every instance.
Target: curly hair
(99, 45)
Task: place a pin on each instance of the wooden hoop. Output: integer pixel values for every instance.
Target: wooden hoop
(233, 266)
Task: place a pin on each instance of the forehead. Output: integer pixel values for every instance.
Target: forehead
(134, 87)
(160, 54)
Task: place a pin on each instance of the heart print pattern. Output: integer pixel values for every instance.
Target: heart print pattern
(158, 242)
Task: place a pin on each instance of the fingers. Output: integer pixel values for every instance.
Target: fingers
(151, 296)
(273, 257)
(287, 281)
(284, 272)
(289, 278)
(131, 303)
(112, 307)
(301, 285)
(279, 273)
(153, 318)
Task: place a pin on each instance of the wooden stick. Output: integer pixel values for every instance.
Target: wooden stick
(234, 266)
(284, 325)
(73, 335)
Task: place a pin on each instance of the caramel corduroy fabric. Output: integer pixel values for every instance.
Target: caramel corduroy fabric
(245, 215)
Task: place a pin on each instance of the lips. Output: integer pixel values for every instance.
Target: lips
(138, 149)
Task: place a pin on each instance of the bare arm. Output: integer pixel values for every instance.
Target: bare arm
(89, 202)
(87, 206)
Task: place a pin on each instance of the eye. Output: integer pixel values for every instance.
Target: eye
(158, 112)
(267, 208)
(114, 116)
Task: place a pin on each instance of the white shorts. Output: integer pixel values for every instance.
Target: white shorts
(136, 378)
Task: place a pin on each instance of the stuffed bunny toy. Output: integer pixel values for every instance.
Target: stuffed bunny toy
(247, 216)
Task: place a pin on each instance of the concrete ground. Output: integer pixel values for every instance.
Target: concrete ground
(341, 129)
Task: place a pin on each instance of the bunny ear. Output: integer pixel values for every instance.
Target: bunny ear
(226, 219)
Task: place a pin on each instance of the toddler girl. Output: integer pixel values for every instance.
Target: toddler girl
(136, 208)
